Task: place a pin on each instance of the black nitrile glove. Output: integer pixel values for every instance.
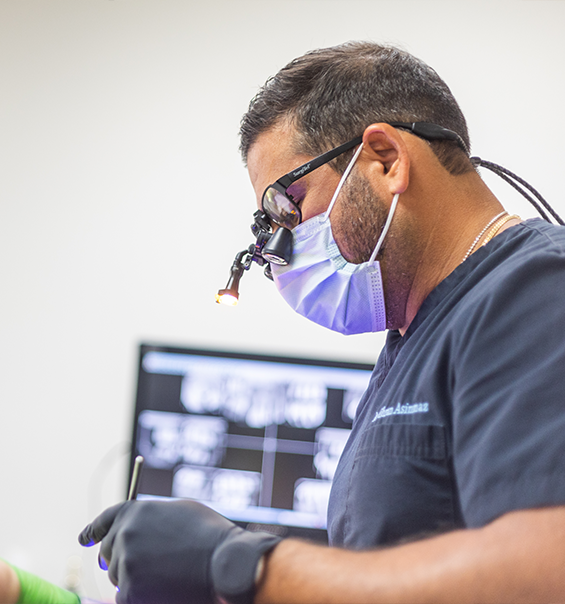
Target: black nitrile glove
(176, 552)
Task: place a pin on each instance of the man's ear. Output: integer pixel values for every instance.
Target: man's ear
(385, 148)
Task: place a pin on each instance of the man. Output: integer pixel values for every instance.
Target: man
(452, 485)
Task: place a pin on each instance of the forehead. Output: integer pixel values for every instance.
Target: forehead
(272, 155)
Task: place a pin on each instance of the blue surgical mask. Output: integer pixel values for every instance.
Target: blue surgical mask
(320, 284)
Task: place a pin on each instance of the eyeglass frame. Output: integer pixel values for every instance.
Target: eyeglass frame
(425, 130)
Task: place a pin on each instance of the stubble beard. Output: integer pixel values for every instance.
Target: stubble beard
(360, 221)
(358, 225)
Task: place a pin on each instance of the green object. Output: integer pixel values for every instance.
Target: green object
(34, 590)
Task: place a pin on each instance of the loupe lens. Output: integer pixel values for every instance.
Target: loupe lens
(280, 209)
(278, 250)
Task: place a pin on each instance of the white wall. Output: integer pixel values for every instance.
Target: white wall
(123, 201)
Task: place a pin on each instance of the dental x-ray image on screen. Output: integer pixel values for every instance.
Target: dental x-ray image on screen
(255, 437)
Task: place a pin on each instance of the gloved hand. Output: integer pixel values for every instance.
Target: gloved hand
(176, 552)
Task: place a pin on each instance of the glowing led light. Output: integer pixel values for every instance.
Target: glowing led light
(226, 299)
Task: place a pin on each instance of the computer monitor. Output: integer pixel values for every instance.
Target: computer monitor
(256, 437)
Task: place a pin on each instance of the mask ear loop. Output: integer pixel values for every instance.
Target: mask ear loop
(386, 227)
(343, 179)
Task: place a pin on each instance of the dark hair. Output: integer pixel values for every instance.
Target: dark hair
(332, 94)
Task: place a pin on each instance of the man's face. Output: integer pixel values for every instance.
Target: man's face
(353, 215)
(357, 218)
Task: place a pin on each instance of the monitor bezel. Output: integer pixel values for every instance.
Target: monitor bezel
(312, 534)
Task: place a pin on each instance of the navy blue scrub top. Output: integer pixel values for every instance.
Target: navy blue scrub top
(464, 417)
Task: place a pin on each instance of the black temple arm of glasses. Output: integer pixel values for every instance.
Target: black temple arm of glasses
(424, 130)
(431, 132)
(308, 167)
